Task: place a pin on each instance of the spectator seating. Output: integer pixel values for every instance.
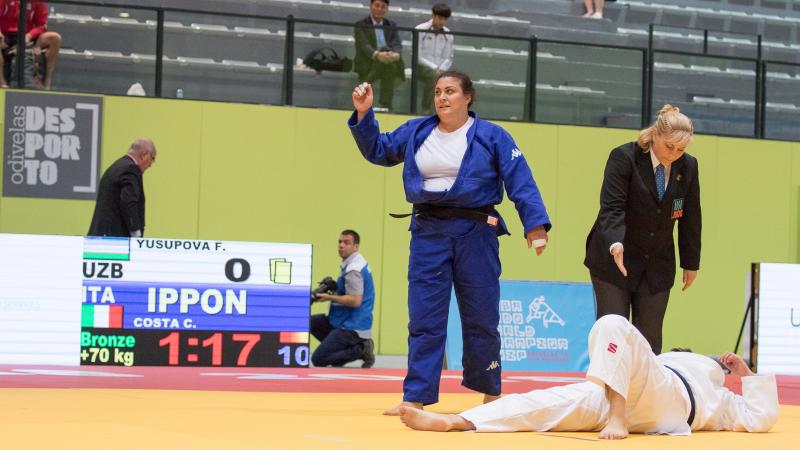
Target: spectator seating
(233, 59)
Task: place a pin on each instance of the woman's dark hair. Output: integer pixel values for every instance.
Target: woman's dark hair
(681, 349)
(466, 83)
(441, 10)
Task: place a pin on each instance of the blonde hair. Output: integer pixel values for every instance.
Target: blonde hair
(670, 124)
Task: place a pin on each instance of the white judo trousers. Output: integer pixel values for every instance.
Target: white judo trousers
(656, 399)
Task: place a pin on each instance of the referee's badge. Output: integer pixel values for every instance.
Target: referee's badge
(677, 208)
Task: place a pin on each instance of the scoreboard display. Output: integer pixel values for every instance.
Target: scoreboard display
(777, 318)
(170, 302)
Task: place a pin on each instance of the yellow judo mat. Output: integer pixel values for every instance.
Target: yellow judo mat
(143, 419)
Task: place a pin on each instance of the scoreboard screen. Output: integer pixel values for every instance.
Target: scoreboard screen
(171, 302)
(777, 319)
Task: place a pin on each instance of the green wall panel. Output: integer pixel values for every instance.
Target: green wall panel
(261, 173)
(582, 154)
(393, 287)
(333, 188)
(172, 183)
(539, 144)
(247, 173)
(688, 311)
(794, 206)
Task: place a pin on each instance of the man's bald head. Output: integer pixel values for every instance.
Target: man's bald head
(143, 151)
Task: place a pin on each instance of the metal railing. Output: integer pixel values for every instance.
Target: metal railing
(647, 60)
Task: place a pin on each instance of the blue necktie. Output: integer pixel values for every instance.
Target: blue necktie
(660, 181)
(380, 38)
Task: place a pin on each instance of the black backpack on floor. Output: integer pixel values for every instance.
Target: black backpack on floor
(326, 58)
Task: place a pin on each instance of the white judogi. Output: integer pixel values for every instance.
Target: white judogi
(656, 399)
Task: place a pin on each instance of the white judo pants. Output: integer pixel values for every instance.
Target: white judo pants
(620, 357)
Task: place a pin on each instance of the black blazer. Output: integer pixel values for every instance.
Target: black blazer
(631, 213)
(367, 45)
(120, 201)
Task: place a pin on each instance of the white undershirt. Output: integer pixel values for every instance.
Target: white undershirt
(439, 157)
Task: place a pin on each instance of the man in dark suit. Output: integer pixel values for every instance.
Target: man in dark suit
(378, 48)
(119, 210)
(647, 186)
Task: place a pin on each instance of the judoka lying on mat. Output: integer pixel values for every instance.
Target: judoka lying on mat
(628, 389)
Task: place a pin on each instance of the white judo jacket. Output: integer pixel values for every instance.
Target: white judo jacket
(656, 399)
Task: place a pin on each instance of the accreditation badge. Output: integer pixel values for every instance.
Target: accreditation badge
(677, 208)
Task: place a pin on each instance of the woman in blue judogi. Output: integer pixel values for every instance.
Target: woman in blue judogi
(456, 166)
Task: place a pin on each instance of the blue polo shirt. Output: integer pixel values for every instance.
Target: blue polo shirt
(354, 279)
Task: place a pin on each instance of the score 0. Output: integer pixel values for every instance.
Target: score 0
(237, 263)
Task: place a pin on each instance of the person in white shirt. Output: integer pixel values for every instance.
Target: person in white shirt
(435, 52)
(628, 389)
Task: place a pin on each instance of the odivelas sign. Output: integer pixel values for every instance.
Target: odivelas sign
(51, 145)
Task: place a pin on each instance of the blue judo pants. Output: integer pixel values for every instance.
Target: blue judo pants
(446, 253)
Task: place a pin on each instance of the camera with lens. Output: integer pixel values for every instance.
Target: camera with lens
(326, 286)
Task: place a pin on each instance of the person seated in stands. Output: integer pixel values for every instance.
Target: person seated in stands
(594, 8)
(435, 52)
(378, 50)
(36, 35)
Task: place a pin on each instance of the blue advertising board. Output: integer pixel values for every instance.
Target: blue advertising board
(204, 306)
(544, 327)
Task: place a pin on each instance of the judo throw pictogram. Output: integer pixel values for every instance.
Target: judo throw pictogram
(541, 310)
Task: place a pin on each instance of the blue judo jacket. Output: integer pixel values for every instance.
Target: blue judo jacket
(492, 160)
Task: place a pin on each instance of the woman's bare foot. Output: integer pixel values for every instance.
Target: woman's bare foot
(396, 410)
(489, 398)
(614, 429)
(418, 419)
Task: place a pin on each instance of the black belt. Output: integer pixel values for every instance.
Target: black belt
(481, 214)
(688, 391)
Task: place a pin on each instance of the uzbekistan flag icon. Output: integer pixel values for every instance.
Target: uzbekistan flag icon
(106, 248)
(101, 316)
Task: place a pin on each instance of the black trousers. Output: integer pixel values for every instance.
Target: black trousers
(425, 88)
(644, 309)
(386, 75)
(337, 346)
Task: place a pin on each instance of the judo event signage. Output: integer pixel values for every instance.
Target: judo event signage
(51, 145)
(139, 301)
(544, 327)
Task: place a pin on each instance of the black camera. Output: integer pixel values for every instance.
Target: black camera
(326, 286)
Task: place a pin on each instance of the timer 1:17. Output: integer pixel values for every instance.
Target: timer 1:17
(173, 342)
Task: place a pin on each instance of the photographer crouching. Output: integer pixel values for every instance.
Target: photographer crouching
(345, 334)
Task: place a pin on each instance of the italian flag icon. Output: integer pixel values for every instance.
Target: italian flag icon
(101, 316)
